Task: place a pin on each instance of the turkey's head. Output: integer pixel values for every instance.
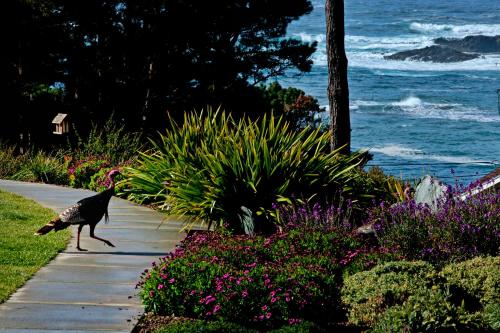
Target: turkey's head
(113, 173)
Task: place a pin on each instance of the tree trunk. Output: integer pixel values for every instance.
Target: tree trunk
(338, 89)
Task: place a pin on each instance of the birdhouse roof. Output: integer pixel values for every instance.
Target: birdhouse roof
(59, 118)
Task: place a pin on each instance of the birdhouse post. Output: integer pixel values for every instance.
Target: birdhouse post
(61, 123)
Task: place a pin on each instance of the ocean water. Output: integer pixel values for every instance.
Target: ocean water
(416, 118)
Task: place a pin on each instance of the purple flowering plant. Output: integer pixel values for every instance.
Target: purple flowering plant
(458, 230)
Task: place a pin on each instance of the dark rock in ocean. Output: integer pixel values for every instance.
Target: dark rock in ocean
(433, 53)
(478, 44)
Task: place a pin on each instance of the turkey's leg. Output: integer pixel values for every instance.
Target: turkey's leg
(80, 227)
(107, 242)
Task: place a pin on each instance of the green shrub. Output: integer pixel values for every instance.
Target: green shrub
(214, 168)
(100, 180)
(112, 142)
(368, 294)
(10, 163)
(299, 109)
(299, 327)
(491, 315)
(387, 188)
(480, 278)
(80, 173)
(42, 167)
(195, 326)
(429, 311)
(263, 282)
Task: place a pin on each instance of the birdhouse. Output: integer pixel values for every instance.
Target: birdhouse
(62, 123)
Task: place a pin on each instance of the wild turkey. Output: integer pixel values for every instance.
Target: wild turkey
(86, 211)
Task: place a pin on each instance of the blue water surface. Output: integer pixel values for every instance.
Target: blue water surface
(416, 118)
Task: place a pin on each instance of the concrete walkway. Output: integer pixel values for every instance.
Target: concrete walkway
(90, 291)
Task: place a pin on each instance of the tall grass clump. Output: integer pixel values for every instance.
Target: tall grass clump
(111, 142)
(41, 167)
(217, 169)
(10, 162)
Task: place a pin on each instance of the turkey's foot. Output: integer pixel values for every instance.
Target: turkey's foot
(109, 243)
(80, 249)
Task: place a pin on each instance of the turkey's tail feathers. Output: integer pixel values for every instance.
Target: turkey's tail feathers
(56, 225)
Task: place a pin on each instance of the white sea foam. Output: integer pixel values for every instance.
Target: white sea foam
(387, 43)
(456, 30)
(369, 51)
(356, 104)
(309, 38)
(409, 102)
(396, 150)
(415, 107)
(370, 42)
(377, 61)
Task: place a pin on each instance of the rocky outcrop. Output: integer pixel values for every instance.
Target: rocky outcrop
(478, 44)
(433, 53)
(452, 49)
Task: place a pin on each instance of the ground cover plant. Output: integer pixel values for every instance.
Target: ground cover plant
(262, 282)
(416, 297)
(22, 254)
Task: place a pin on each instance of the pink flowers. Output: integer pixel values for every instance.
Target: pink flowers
(252, 265)
(209, 299)
(237, 279)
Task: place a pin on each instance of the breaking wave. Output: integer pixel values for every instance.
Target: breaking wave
(415, 107)
(456, 30)
(396, 150)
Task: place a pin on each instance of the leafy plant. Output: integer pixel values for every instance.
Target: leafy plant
(203, 326)
(111, 142)
(480, 278)
(80, 174)
(299, 327)
(214, 168)
(41, 167)
(10, 163)
(100, 180)
(429, 310)
(299, 109)
(370, 293)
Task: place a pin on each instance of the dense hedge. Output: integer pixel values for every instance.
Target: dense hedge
(415, 297)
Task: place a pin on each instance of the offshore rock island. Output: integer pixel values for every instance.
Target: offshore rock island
(450, 50)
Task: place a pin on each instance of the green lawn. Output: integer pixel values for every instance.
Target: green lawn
(22, 253)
